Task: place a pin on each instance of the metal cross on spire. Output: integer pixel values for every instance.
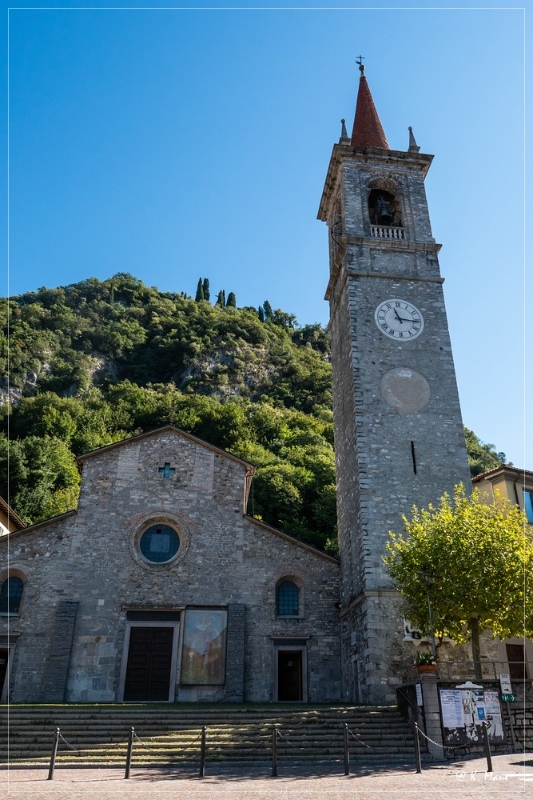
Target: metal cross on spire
(359, 61)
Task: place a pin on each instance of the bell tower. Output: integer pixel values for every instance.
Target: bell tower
(399, 435)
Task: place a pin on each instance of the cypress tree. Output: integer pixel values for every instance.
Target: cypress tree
(206, 289)
(221, 299)
(232, 301)
(268, 310)
(261, 314)
(199, 291)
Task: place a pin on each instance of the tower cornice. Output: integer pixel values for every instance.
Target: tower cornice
(336, 272)
(400, 160)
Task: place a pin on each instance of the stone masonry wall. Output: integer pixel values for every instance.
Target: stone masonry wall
(225, 559)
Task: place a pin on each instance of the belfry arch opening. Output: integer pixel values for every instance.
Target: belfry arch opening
(384, 208)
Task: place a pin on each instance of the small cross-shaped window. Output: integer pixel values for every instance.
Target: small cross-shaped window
(166, 471)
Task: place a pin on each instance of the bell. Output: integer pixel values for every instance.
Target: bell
(383, 211)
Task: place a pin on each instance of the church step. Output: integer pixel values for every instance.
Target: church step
(171, 735)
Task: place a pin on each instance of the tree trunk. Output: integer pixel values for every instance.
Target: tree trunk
(473, 624)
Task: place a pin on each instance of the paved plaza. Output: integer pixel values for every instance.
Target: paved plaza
(512, 777)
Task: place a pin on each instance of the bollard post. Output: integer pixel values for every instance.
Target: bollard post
(129, 753)
(346, 751)
(417, 750)
(487, 746)
(201, 772)
(53, 756)
(275, 751)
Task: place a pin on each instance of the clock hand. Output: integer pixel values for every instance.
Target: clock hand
(398, 316)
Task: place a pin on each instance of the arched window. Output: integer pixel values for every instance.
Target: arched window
(11, 595)
(288, 599)
(383, 208)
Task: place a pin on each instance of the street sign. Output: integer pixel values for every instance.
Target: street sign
(508, 698)
(505, 683)
(419, 700)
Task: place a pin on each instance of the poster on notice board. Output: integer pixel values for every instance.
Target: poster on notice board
(465, 710)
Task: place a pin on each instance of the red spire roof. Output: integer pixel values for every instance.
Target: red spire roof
(367, 130)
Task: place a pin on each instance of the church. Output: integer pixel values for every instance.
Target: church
(160, 587)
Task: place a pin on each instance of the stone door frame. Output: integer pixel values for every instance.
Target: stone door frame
(7, 643)
(4, 689)
(292, 648)
(155, 623)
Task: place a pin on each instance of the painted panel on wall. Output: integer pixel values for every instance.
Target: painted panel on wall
(204, 647)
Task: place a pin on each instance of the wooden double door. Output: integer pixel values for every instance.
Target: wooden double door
(150, 662)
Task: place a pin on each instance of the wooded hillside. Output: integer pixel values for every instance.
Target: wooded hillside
(98, 361)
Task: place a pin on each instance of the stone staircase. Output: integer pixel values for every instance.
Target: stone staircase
(96, 735)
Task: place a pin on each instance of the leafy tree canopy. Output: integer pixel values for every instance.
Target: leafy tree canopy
(44, 479)
(481, 456)
(475, 559)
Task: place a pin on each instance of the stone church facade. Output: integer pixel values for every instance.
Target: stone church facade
(160, 587)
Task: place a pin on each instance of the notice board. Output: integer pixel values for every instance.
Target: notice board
(463, 712)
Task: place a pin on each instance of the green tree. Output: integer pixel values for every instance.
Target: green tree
(221, 299)
(199, 291)
(232, 300)
(205, 287)
(43, 477)
(481, 456)
(475, 561)
(284, 320)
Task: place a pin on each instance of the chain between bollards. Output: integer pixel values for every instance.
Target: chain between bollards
(129, 753)
(275, 751)
(201, 771)
(53, 756)
(417, 750)
(487, 746)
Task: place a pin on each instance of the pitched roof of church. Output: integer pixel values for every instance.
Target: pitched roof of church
(11, 515)
(155, 432)
(289, 538)
(367, 129)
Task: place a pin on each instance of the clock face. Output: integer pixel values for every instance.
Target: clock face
(399, 319)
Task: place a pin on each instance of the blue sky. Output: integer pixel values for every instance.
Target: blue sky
(175, 144)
